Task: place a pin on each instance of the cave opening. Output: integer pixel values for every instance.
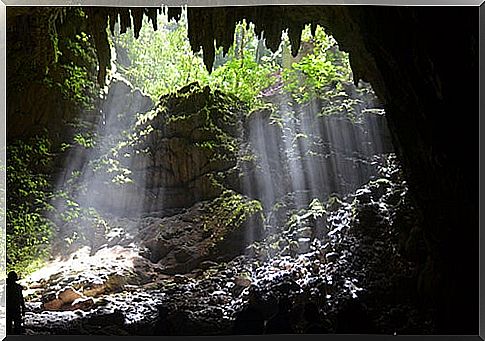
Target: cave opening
(174, 200)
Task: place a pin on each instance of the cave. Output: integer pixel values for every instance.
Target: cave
(422, 65)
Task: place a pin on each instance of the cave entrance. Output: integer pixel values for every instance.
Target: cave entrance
(272, 175)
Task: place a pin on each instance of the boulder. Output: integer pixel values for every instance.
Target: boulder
(304, 245)
(183, 254)
(208, 264)
(68, 295)
(158, 248)
(82, 304)
(181, 279)
(53, 305)
(242, 281)
(94, 289)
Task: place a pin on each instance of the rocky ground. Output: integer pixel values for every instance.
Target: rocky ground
(356, 248)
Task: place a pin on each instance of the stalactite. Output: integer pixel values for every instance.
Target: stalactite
(313, 28)
(206, 30)
(174, 13)
(219, 23)
(125, 19)
(228, 32)
(98, 21)
(113, 18)
(137, 15)
(294, 34)
(151, 13)
(355, 72)
(271, 24)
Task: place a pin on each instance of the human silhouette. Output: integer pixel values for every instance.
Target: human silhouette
(15, 304)
(250, 320)
(313, 320)
(280, 323)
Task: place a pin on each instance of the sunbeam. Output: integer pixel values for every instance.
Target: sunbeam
(192, 196)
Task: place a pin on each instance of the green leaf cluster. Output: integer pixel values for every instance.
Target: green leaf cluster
(245, 71)
(74, 69)
(28, 194)
(161, 62)
(324, 69)
(229, 211)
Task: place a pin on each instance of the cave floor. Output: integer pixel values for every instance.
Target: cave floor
(114, 288)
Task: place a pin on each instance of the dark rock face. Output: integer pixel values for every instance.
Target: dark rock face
(41, 94)
(423, 93)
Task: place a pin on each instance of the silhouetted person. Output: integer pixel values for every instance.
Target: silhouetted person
(314, 322)
(162, 325)
(15, 304)
(280, 323)
(250, 320)
(354, 319)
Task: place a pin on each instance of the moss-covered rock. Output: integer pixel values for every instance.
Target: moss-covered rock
(180, 147)
(234, 221)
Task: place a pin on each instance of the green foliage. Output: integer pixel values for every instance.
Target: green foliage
(28, 229)
(305, 217)
(243, 78)
(104, 151)
(111, 165)
(242, 74)
(73, 72)
(87, 140)
(324, 68)
(35, 211)
(229, 212)
(339, 102)
(161, 62)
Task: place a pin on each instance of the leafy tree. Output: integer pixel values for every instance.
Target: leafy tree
(245, 73)
(162, 61)
(324, 68)
(159, 62)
